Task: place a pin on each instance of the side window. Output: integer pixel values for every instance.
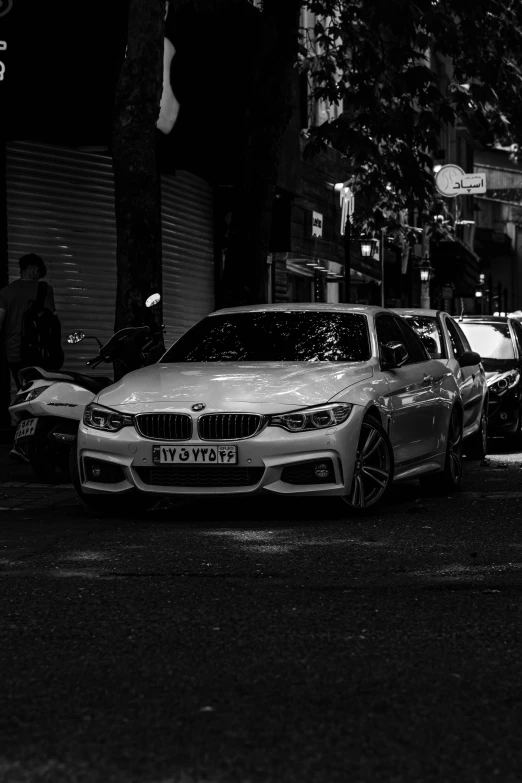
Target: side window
(413, 343)
(393, 330)
(388, 330)
(463, 338)
(455, 339)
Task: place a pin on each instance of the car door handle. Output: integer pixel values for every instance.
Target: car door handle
(428, 379)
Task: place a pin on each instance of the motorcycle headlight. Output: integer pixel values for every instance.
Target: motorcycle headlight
(101, 418)
(27, 396)
(501, 383)
(312, 418)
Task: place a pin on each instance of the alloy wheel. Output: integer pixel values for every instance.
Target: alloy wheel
(373, 467)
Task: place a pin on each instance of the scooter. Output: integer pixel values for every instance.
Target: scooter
(49, 405)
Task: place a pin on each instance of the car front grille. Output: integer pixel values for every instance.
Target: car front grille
(200, 476)
(164, 426)
(228, 426)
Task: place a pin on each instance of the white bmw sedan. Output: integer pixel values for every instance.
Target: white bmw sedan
(290, 399)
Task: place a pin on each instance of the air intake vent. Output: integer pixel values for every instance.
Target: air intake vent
(200, 476)
(229, 426)
(164, 426)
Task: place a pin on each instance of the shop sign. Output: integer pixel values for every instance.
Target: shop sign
(451, 180)
(347, 200)
(317, 224)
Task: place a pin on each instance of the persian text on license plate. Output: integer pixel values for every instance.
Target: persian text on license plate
(26, 428)
(194, 455)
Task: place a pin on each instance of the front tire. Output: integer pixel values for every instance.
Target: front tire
(514, 440)
(477, 445)
(449, 479)
(129, 505)
(373, 472)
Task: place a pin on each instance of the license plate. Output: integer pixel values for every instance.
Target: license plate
(26, 428)
(194, 455)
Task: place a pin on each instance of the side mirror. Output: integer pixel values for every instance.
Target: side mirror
(153, 299)
(469, 358)
(393, 355)
(75, 337)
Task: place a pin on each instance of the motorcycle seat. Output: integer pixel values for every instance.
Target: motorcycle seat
(90, 382)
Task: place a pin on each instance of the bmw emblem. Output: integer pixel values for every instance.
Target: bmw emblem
(199, 406)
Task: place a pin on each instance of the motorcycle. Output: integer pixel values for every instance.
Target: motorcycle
(48, 407)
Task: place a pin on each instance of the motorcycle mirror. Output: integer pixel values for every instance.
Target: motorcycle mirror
(75, 337)
(153, 299)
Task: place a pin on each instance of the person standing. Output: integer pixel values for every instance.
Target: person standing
(15, 300)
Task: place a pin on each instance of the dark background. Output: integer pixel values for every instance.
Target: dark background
(62, 64)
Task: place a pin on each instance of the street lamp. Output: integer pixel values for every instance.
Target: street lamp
(367, 247)
(371, 246)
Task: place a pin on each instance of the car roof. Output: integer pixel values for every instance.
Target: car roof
(417, 311)
(311, 306)
(485, 318)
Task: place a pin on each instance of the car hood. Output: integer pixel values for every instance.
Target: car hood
(224, 385)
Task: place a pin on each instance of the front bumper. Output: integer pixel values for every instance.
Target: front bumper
(261, 461)
(503, 413)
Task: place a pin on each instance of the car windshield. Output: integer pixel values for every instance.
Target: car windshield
(428, 329)
(490, 340)
(275, 336)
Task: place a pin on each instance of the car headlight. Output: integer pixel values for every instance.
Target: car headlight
(312, 418)
(501, 383)
(27, 396)
(101, 418)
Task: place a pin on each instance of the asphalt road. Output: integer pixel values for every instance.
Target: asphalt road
(265, 642)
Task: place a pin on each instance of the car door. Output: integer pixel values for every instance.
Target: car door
(469, 379)
(414, 394)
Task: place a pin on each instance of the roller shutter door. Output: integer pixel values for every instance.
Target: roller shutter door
(61, 206)
(188, 252)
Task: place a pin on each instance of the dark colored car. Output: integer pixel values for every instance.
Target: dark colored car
(498, 340)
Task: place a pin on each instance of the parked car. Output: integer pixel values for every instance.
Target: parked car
(498, 339)
(295, 399)
(445, 340)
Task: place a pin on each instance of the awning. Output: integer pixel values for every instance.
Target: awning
(306, 265)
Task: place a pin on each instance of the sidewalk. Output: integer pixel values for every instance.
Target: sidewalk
(16, 474)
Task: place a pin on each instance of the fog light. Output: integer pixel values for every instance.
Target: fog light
(503, 416)
(103, 472)
(322, 470)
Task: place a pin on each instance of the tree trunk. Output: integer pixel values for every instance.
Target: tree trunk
(269, 110)
(136, 179)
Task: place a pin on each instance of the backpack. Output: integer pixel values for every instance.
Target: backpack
(41, 335)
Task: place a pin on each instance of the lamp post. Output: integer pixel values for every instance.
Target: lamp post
(368, 248)
(425, 274)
